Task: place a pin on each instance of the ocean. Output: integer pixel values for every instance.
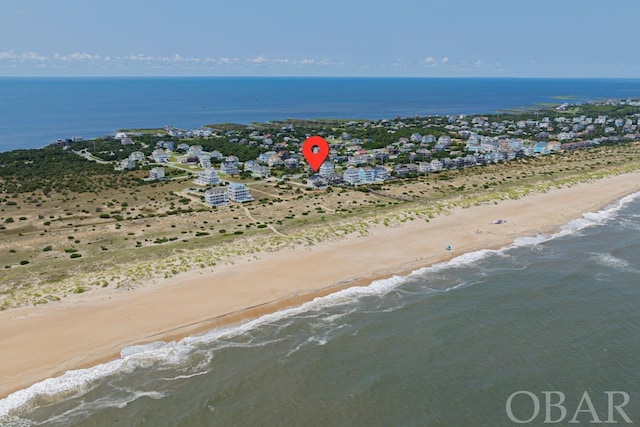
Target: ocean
(36, 111)
(454, 344)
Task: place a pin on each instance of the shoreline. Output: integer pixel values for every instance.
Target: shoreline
(41, 342)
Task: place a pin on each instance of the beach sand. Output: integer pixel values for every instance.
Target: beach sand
(84, 330)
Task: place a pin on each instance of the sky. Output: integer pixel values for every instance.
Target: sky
(418, 38)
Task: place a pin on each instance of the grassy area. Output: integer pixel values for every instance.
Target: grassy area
(123, 236)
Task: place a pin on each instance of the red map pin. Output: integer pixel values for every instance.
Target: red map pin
(315, 150)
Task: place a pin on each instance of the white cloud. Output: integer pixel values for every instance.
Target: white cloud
(444, 60)
(144, 61)
(478, 63)
(429, 60)
(258, 59)
(11, 55)
(77, 56)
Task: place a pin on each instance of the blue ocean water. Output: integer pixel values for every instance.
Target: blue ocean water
(36, 111)
(444, 346)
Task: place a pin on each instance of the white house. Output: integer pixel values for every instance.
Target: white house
(264, 157)
(156, 174)
(205, 162)
(160, 156)
(366, 174)
(380, 173)
(239, 193)
(136, 156)
(207, 177)
(351, 176)
(230, 166)
(435, 165)
(327, 168)
(216, 196)
(291, 163)
(126, 164)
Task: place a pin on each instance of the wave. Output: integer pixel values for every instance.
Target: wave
(178, 352)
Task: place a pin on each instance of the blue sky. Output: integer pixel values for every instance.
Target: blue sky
(450, 38)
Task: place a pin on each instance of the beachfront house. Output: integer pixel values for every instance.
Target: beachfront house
(207, 177)
(216, 196)
(327, 168)
(435, 165)
(380, 173)
(239, 193)
(156, 174)
(351, 176)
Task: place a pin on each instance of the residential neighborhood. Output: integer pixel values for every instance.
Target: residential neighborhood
(362, 152)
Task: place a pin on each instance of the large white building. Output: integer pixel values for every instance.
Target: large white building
(156, 174)
(207, 177)
(351, 176)
(239, 193)
(327, 168)
(230, 166)
(160, 156)
(216, 196)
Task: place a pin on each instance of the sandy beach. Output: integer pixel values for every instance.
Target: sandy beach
(83, 330)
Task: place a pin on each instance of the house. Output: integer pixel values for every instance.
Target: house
(182, 147)
(239, 193)
(541, 147)
(424, 167)
(351, 176)
(136, 156)
(126, 141)
(291, 163)
(126, 164)
(216, 196)
(261, 172)
(195, 151)
(216, 155)
(156, 174)
(167, 145)
(230, 166)
(264, 157)
(160, 156)
(327, 168)
(428, 139)
(207, 177)
(443, 143)
(401, 170)
(317, 181)
(274, 161)
(554, 146)
(435, 165)
(380, 173)
(366, 174)
(205, 162)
